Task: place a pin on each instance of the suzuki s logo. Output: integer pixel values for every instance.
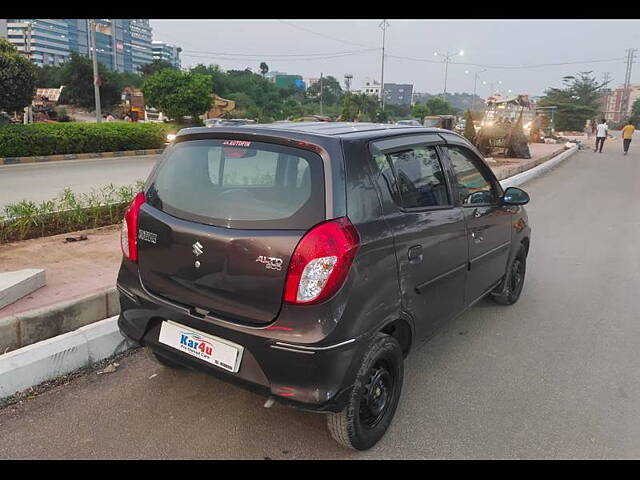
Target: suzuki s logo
(197, 249)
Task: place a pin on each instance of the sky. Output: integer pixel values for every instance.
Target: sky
(337, 47)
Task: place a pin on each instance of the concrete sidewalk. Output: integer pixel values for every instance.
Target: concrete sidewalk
(73, 269)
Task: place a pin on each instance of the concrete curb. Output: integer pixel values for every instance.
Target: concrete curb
(535, 172)
(22, 329)
(34, 364)
(77, 156)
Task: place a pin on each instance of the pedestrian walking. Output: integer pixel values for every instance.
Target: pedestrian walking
(601, 134)
(627, 135)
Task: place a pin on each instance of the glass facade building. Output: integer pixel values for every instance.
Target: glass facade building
(121, 44)
(164, 51)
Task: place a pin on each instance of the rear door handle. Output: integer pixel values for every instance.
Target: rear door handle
(415, 254)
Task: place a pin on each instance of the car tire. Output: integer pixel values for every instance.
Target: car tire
(374, 397)
(510, 293)
(165, 362)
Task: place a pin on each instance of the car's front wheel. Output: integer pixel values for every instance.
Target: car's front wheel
(510, 292)
(374, 397)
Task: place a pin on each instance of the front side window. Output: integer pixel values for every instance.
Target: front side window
(473, 186)
(420, 178)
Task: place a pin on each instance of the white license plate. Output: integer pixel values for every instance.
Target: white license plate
(219, 352)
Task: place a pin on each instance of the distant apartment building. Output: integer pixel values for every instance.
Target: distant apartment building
(166, 52)
(398, 94)
(121, 44)
(611, 103)
(3, 28)
(371, 87)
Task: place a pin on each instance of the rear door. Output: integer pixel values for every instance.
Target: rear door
(221, 221)
(488, 223)
(429, 230)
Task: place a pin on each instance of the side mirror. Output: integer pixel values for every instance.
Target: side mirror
(515, 196)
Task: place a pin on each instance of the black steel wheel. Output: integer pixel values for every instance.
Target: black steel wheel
(374, 398)
(514, 280)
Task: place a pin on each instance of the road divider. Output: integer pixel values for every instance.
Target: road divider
(78, 156)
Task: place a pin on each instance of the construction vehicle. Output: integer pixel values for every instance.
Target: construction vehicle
(440, 121)
(502, 129)
(220, 107)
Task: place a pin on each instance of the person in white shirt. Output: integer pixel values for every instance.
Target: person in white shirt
(601, 134)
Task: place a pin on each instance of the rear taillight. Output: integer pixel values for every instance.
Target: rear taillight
(129, 232)
(321, 261)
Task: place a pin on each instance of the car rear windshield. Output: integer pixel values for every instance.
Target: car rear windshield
(240, 184)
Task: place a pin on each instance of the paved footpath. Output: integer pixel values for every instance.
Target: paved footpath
(554, 376)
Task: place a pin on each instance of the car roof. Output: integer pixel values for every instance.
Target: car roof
(322, 129)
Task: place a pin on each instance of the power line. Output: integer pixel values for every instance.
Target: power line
(284, 55)
(324, 35)
(283, 59)
(512, 67)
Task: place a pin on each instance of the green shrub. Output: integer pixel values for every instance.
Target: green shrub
(68, 212)
(68, 138)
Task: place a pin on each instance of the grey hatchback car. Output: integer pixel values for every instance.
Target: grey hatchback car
(304, 260)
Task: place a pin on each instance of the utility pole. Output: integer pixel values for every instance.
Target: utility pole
(96, 78)
(384, 25)
(624, 106)
(28, 118)
(320, 93)
(447, 58)
(475, 83)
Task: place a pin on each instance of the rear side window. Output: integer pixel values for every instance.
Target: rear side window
(419, 177)
(240, 184)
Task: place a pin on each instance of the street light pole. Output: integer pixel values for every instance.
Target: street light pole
(96, 78)
(384, 24)
(447, 58)
(475, 83)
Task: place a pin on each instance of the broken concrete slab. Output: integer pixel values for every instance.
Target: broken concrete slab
(20, 283)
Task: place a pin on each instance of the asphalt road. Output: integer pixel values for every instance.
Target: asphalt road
(554, 376)
(44, 181)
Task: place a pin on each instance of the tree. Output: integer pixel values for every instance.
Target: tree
(469, 127)
(77, 77)
(635, 113)
(154, 67)
(420, 111)
(264, 68)
(17, 78)
(331, 91)
(576, 102)
(178, 94)
(437, 106)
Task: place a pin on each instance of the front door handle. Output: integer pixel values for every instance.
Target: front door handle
(477, 236)
(415, 254)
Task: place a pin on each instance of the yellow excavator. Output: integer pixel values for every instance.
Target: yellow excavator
(219, 108)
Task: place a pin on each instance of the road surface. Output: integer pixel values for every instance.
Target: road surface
(554, 376)
(44, 181)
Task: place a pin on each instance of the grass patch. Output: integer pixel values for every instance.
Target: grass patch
(68, 212)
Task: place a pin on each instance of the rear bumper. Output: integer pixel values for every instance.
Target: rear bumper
(313, 377)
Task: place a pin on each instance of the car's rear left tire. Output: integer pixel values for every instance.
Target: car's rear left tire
(374, 397)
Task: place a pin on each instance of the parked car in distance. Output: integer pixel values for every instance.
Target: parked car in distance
(409, 123)
(227, 122)
(304, 261)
